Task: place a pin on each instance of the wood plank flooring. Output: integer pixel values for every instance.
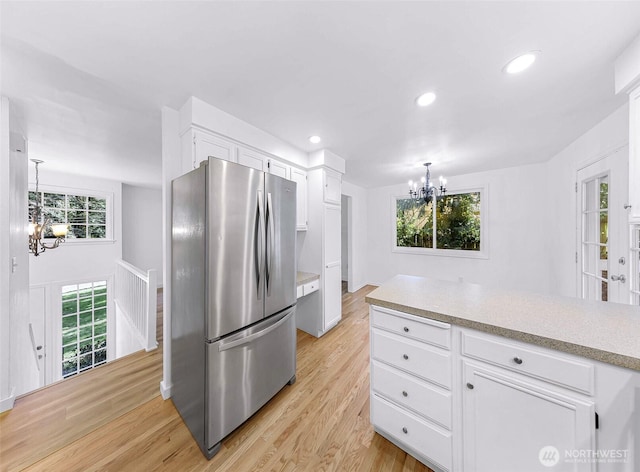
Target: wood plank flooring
(321, 423)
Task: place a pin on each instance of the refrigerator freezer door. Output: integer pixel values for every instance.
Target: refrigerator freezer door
(236, 276)
(245, 370)
(280, 267)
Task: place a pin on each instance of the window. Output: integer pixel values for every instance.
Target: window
(84, 327)
(457, 229)
(86, 215)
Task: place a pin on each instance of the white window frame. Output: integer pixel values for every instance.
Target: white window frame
(56, 312)
(108, 196)
(483, 253)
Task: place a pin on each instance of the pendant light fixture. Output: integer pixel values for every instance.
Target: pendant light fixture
(39, 225)
(427, 190)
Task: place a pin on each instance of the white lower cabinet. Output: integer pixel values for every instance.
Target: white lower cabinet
(411, 401)
(511, 425)
(463, 400)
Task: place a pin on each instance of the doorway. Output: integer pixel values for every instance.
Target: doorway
(346, 244)
(602, 236)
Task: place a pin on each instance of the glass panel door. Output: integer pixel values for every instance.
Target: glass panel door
(603, 231)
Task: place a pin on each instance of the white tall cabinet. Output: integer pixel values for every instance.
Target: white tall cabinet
(321, 252)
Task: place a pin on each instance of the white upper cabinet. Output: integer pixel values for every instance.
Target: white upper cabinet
(332, 186)
(278, 168)
(199, 146)
(250, 158)
(634, 156)
(300, 178)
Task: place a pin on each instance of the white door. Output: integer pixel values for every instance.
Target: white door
(603, 237)
(510, 425)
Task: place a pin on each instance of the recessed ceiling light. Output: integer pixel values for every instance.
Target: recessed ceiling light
(520, 63)
(314, 139)
(426, 99)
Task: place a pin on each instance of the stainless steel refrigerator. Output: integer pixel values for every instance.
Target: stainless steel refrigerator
(233, 295)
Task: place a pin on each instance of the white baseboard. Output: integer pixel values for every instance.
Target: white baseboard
(165, 391)
(7, 403)
(358, 287)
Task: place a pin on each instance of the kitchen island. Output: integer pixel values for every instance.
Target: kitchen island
(466, 377)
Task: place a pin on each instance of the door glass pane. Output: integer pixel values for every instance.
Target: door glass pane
(595, 238)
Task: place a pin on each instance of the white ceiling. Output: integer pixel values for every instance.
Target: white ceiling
(87, 79)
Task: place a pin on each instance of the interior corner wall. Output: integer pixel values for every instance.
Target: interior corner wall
(142, 227)
(608, 135)
(6, 399)
(516, 224)
(359, 235)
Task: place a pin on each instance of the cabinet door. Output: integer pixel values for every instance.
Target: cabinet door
(332, 187)
(300, 178)
(250, 158)
(332, 267)
(634, 155)
(279, 169)
(206, 145)
(332, 295)
(509, 424)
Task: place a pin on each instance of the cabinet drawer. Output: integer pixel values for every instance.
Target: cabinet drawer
(311, 287)
(428, 441)
(417, 358)
(430, 331)
(300, 291)
(405, 390)
(550, 367)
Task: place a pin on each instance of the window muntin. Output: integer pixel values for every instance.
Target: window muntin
(86, 215)
(457, 228)
(84, 326)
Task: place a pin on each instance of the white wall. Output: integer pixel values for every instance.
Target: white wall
(344, 237)
(6, 394)
(516, 222)
(24, 372)
(608, 135)
(358, 252)
(142, 227)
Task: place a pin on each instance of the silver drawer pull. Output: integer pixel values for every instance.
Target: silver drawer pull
(405, 430)
(405, 357)
(406, 329)
(517, 360)
(404, 393)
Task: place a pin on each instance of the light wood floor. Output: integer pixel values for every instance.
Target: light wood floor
(321, 423)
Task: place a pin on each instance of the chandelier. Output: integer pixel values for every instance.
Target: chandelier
(427, 190)
(38, 226)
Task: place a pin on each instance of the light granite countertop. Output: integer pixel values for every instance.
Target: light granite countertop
(305, 277)
(603, 331)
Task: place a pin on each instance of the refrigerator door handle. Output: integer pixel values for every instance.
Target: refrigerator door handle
(223, 346)
(271, 230)
(259, 245)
